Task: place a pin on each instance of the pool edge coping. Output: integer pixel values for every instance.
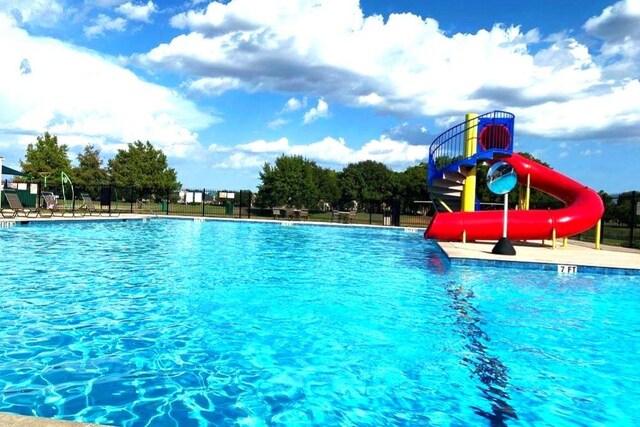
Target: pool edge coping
(552, 266)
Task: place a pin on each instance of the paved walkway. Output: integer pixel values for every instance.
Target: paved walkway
(574, 254)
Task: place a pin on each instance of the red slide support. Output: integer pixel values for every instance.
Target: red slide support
(582, 211)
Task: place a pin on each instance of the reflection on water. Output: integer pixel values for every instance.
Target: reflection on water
(488, 369)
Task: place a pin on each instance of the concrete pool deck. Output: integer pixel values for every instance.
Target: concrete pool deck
(574, 258)
(13, 420)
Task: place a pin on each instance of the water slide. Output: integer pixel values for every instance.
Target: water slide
(583, 208)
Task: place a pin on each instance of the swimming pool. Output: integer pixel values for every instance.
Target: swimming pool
(171, 322)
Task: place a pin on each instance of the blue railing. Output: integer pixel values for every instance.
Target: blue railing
(494, 135)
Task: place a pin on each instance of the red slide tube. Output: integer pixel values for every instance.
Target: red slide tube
(582, 211)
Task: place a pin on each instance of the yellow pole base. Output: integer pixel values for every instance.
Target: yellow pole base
(598, 234)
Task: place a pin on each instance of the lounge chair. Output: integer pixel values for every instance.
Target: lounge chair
(90, 208)
(16, 208)
(289, 213)
(51, 204)
(276, 212)
(303, 214)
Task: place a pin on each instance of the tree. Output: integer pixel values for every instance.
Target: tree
(46, 156)
(625, 208)
(89, 172)
(412, 186)
(609, 207)
(328, 185)
(292, 180)
(367, 182)
(145, 169)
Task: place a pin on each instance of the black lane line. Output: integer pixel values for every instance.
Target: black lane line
(491, 372)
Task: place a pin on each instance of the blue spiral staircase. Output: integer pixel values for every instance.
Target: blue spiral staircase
(449, 163)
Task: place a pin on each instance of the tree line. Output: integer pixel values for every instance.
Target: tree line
(140, 167)
(292, 180)
(295, 181)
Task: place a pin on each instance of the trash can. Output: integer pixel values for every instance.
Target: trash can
(228, 208)
(386, 216)
(164, 205)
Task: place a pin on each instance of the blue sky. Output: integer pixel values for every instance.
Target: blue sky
(223, 87)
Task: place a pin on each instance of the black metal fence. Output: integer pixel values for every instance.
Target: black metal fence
(223, 204)
(620, 223)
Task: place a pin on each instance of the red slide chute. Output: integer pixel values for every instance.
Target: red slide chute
(583, 210)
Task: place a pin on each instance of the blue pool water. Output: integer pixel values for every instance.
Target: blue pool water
(182, 323)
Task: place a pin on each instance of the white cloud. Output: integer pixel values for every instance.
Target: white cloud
(619, 28)
(137, 12)
(214, 86)
(612, 115)
(240, 161)
(372, 100)
(317, 112)
(405, 64)
(328, 151)
(42, 13)
(103, 24)
(276, 123)
(617, 22)
(589, 152)
(83, 97)
(104, 3)
(294, 104)
(262, 146)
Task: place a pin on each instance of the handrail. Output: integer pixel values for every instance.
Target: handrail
(495, 133)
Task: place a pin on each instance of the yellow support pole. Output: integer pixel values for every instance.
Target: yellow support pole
(470, 145)
(565, 242)
(521, 199)
(524, 195)
(464, 236)
(527, 197)
(598, 233)
(553, 238)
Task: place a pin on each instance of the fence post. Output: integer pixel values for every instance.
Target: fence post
(370, 213)
(633, 217)
(395, 212)
(249, 210)
(131, 195)
(240, 206)
(203, 202)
